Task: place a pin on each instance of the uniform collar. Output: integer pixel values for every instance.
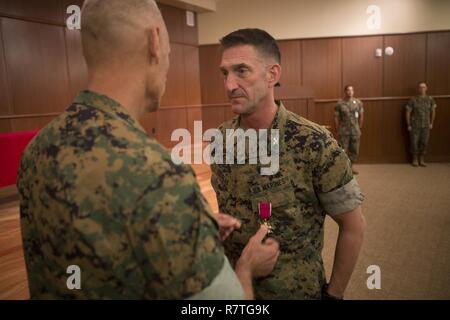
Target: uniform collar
(278, 122)
(107, 105)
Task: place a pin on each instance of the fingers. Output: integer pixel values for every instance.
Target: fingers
(261, 233)
(273, 245)
(272, 242)
(224, 233)
(227, 221)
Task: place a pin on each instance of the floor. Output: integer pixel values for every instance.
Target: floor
(408, 234)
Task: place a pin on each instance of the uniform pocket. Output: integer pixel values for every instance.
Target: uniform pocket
(279, 193)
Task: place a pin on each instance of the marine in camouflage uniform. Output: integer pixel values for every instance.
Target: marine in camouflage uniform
(98, 193)
(348, 111)
(420, 109)
(314, 178)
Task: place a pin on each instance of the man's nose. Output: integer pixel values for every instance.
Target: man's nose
(230, 83)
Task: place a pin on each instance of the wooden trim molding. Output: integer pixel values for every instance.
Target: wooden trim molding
(445, 96)
(29, 115)
(225, 104)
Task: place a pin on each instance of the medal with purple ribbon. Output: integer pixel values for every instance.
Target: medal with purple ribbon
(265, 211)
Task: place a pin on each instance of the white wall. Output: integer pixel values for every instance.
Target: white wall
(292, 19)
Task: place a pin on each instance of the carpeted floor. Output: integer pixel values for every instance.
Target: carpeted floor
(408, 232)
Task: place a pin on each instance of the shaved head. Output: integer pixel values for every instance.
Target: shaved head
(126, 48)
(113, 29)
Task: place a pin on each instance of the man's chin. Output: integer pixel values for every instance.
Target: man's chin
(153, 106)
(237, 108)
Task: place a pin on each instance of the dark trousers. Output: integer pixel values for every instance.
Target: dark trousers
(419, 140)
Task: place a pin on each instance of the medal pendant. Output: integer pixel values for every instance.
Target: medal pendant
(265, 211)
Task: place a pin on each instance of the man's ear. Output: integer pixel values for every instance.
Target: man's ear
(274, 75)
(154, 45)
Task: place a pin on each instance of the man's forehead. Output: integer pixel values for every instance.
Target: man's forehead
(242, 54)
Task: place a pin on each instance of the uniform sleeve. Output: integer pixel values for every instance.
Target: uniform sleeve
(174, 236)
(337, 109)
(226, 286)
(337, 190)
(433, 103)
(410, 105)
(219, 184)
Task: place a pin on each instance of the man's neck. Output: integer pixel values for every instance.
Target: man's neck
(125, 92)
(262, 118)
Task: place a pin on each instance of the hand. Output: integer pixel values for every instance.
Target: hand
(227, 224)
(259, 257)
(431, 126)
(409, 128)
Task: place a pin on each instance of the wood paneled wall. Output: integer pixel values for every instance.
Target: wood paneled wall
(326, 65)
(42, 68)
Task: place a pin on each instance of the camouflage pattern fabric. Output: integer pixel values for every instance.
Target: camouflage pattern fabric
(314, 175)
(419, 140)
(98, 193)
(349, 131)
(420, 108)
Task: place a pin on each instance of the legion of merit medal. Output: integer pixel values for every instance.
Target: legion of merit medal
(265, 211)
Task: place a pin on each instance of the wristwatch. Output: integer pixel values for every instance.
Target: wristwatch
(327, 296)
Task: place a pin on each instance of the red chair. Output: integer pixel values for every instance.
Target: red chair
(11, 147)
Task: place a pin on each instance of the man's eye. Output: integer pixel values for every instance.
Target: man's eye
(242, 71)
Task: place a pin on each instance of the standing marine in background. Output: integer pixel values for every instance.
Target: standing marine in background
(420, 114)
(349, 117)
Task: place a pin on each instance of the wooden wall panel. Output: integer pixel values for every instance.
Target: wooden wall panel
(43, 10)
(439, 145)
(291, 72)
(438, 62)
(37, 69)
(177, 27)
(25, 124)
(192, 75)
(299, 107)
(406, 67)
(394, 132)
(193, 114)
(76, 63)
(167, 121)
(324, 114)
(214, 116)
(173, 17)
(372, 138)
(190, 34)
(5, 126)
(175, 94)
(322, 67)
(5, 102)
(211, 78)
(228, 113)
(360, 67)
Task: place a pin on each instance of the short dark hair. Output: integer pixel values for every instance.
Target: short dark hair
(347, 86)
(258, 38)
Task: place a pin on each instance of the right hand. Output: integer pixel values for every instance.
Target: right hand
(259, 257)
(409, 128)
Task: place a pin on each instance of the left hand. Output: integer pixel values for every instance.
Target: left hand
(227, 224)
(431, 126)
